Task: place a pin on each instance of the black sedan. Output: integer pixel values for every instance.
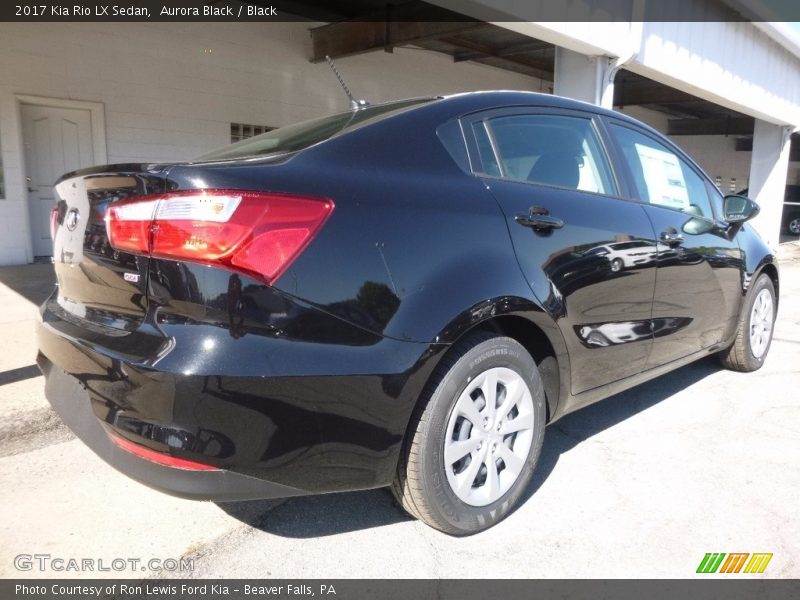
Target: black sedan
(401, 295)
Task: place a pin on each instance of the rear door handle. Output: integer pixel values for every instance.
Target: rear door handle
(671, 238)
(539, 219)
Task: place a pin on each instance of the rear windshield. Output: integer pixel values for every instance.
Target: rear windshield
(293, 138)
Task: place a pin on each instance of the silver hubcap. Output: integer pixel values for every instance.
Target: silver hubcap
(794, 226)
(489, 435)
(761, 323)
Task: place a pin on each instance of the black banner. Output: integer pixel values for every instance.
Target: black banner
(398, 10)
(402, 589)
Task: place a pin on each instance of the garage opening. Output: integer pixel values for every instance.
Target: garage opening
(718, 138)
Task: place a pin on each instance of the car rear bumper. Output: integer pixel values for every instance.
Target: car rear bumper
(71, 401)
(268, 435)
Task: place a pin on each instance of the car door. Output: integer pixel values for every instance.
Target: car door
(549, 172)
(698, 288)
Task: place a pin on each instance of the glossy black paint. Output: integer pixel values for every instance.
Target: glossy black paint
(310, 383)
(579, 287)
(702, 272)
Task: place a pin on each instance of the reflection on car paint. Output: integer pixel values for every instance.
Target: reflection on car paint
(601, 335)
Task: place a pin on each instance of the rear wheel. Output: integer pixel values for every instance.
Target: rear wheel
(475, 438)
(754, 334)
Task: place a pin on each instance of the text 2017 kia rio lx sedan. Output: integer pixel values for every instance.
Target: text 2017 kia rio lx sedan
(402, 295)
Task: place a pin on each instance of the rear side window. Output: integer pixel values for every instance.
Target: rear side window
(294, 138)
(660, 176)
(552, 150)
(488, 159)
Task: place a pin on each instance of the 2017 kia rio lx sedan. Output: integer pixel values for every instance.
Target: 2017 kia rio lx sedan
(402, 295)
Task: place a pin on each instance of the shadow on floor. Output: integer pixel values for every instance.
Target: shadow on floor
(35, 282)
(19, 374)
(318, 516)
(331, 514)
(577, 427)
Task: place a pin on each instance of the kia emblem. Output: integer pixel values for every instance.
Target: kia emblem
(72, 218)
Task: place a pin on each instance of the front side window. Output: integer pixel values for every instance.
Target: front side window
(548, 149)
(660, 176)
(717, 199)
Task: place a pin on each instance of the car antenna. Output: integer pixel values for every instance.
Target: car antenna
(354, 104)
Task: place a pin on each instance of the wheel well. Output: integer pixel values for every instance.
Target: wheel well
(526, 333)
(534, 340)
(772, 272)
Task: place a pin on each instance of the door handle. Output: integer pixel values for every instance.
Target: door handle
(539, 219)
(671, 238)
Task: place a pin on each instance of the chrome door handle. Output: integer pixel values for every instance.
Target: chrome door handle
(539, 219)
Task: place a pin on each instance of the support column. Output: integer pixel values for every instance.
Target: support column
(587, 78)
(768, 169)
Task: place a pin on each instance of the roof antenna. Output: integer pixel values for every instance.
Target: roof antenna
(354, 104)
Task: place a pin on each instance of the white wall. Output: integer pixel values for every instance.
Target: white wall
(171, 90)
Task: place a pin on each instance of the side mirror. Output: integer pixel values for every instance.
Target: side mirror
(739, 209)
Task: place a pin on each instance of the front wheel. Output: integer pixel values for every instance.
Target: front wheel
(754, 334)
(475, 438)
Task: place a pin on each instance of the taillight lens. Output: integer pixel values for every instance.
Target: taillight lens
(128, 225)
(259, 234)
(53, 222)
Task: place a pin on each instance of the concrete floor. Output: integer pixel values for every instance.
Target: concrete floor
(640, 485)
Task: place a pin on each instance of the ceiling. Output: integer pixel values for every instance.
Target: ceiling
(359, 26)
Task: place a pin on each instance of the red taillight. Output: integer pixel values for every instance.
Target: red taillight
(53, 222)
(128, 224)
(159, 457)
(257, 233)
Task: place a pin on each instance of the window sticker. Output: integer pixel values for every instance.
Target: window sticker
(663, 176)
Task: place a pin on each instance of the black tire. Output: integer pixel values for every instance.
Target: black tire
(739, 356)
(793, 224)
(421, 484)
(616, 265)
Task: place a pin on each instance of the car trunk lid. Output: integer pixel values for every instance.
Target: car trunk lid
(98, 284)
